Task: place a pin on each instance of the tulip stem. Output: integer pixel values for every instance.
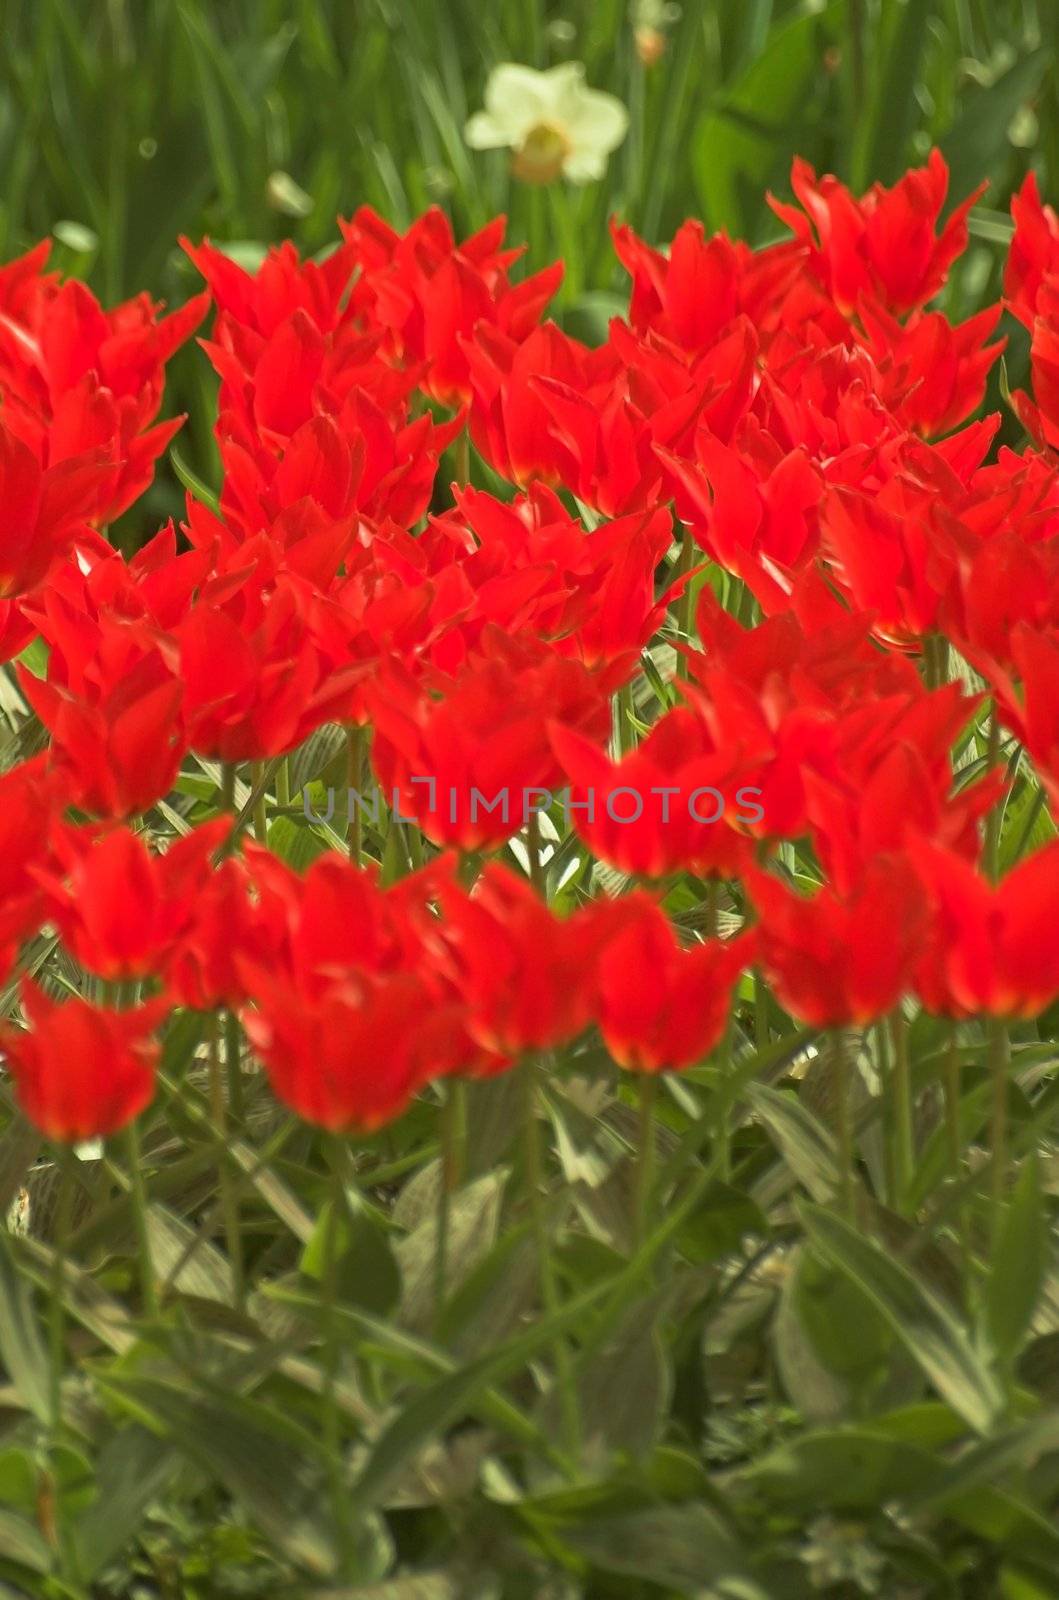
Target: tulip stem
(645, 1164)
(332, 1354)
(57, 1351)
(992, 821)
(999, 1062)
(257, 773)
(462, 450)
(354, 775)
(227, 785)
(952, 1103)
(233, 1066)
(955, 1142)
(283, 783)
(684, 563)
(713, 896)
(538, 877)
(138, 1195)
(903, 1124)
(761, 1013)
(626, 733)
(447, 1180)
(844, 1121)
(229, 1194)
(724, 1106)
(564, 1377)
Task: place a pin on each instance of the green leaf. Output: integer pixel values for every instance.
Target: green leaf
(686, 1548)
(805, 1144)
(366, 1269)
(448, 1399)
(193, 483)
(847, 1469)
(976, 143)
(923, 1323)
(1019, 1263)
(21, 1347)
(20, 1541)
(719, 1226)
(897, 76)
(474, 1214)
(623, 1387)
(271, 1464)
(133, 1470)
(295, 842)
(745, 143)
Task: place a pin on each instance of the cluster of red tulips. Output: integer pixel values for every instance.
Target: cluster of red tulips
(768, 465)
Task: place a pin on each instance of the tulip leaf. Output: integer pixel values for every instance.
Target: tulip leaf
(805, 1143)
(22, 1349)
(1019, 1263)
(923, 1323)
(685, 1548)
(21, 1542)
(274, 1466)
(132, 1470)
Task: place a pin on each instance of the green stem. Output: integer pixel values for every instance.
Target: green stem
(761, 1013)
(992, 821)
(952, 1103)
(571, 1426)
(227, 785)
(462, 450)
(645, 1155)
(903, 1125)
(626, 733)
(955, 1147)
(684, 565)
(538, 877)
(331, 1361)
(229, 1195)
(257, 773)
(355, 746)
(447, 1180)
(844, 1121)
(724, 1106)
(713, 897)
(138, 1195)
(283, 783)
(883, 1060)
(57, 1353)
(233, 1066)
(999, 1064)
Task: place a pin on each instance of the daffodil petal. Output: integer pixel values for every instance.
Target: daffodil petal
(599, 120)
(483, 132)
(517, 98)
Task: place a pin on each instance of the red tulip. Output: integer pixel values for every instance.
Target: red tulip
(662, 1007)
(82, 1071)
(990, 949)
(121, 910)
(840, 961)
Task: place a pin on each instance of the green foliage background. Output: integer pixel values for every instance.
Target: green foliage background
(775, 1404)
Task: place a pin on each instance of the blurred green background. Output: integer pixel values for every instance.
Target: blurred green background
(126, 122)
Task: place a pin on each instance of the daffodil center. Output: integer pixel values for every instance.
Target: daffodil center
(541, 156)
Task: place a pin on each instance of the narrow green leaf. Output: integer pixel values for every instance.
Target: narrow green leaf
(1019, 1263)
(920, 1320)
(21, 1346)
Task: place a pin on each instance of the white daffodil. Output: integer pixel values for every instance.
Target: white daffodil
(553, 123)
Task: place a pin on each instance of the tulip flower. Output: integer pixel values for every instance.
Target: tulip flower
(82, 1071)
(662, 1007)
